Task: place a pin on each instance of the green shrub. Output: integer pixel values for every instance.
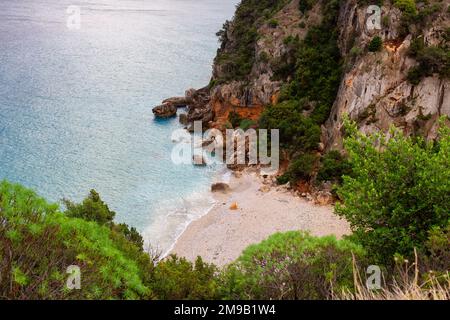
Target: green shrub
(355, 51)
(236, 54)
(178, 279)
(333, 167)
(264, 57)
(317, 67)
(38, 243)
(292, 265)
(283, 179)
(306, 5)
(91, 209)
(94, 209)
(375, 44)
(406, 6)
(436, 254)
(398, 192)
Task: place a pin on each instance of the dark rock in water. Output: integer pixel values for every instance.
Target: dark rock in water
(198, 160)
(183, 119)
(178, 102)
(220, 187)
(166, 110)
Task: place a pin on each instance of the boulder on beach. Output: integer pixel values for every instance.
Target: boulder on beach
(220, 187)
(166, 110)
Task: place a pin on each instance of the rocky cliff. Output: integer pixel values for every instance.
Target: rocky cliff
(395, 73)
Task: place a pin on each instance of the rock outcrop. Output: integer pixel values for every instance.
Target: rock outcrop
(165, 110)
(375, 91)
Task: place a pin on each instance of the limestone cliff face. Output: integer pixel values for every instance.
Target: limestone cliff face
(249, 97)
(375, 91)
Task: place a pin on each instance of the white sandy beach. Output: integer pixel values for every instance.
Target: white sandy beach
(220, 236)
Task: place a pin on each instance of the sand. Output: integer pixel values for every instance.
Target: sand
(220, 236)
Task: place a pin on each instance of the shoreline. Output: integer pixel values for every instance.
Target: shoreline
(222, 234)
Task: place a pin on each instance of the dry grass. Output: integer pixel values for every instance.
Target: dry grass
(409, 286)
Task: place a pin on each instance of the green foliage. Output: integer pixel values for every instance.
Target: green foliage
(273, 23)
(398, 192)
(409, 16)
(264, 57)
(178, 279)
(94, 209)
(38, 243)
(355, 51)
(237, 121)
(306, 5)
(436, 254)
(301, 168)
(234, 119)
(247, 124)
(292, 265)
(91, 209)
(295, 129)
(375, 44)
(315, 65)
(333, 167)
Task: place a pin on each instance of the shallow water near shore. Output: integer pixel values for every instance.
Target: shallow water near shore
(75, 105)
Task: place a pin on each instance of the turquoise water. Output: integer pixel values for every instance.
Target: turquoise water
(75, 105)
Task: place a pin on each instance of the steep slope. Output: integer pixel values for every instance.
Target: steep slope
(300, 65)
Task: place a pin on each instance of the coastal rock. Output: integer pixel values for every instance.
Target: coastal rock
(165, 111)
(220, 187)
(324, 198)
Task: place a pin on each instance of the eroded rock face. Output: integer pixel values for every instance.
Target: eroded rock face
(178, 102)
(375, 92)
